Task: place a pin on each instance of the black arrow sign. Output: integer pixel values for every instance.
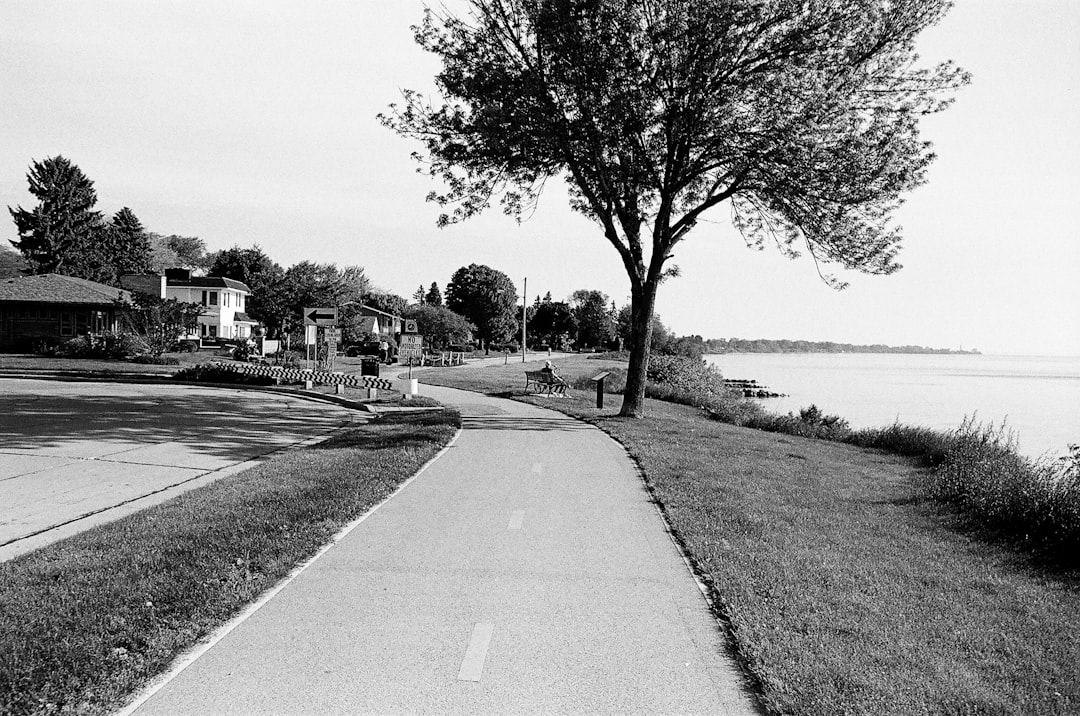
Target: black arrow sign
(316, 316)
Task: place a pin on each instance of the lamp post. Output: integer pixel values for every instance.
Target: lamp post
(524, 304)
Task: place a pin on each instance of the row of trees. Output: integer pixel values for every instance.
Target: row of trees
(64, 233)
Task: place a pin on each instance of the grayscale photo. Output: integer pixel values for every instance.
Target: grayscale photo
(540, 357)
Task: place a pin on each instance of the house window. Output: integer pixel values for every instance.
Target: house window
(213, 298)
(213, 331)
(67, 324)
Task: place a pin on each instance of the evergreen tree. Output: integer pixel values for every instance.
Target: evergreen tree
(433, 295)
(419, 296)
(128, 247)
(58, 235)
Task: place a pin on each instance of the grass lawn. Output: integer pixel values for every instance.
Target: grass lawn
(30, 361)
(86, 622)
(845, 593)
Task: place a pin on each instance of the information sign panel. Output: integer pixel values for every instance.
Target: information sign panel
(326, 316)
(411, 348)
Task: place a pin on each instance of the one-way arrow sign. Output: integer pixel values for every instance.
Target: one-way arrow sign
(320, 316)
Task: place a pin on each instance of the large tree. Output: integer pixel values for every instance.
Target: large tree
(60, 234)
(486, 297)
(440, 327)
(190, 251)
(553, 323)
(312, 285)
(127, 247)
(386, 302)
(596, 327)
(433, 295)
(268, 303)
(803, 116)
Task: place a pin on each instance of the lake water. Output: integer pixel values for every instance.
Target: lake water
(1037, 397)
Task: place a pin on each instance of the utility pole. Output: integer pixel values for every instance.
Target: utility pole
(524, 303)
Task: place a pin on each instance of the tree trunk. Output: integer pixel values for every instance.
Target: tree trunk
(642, 303)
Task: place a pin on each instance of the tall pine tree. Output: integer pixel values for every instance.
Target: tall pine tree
(58, 235)
(434, 295)
(129, 250)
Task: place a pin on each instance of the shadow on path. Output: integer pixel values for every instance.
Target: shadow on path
(490, 422)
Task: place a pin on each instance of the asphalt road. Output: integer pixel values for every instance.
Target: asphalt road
(74, 454)
(524, 571)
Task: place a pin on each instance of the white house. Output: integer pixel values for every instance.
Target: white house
(223, 300)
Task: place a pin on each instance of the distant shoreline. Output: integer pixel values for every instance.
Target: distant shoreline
(763, 345)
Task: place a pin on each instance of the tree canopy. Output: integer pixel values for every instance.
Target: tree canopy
(386, 302)
(802, 116)
(487, 298)
(596, 325)
(440, 326)
(60, 231)
(261, 274)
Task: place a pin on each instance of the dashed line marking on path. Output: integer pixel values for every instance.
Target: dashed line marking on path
(516, 518)
(473, 666)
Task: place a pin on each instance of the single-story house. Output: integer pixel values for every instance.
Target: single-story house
(51, 307)
(223, 300)
(375, 321)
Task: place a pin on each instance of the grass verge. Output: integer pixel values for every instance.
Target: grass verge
(88, 621)
(844, 591)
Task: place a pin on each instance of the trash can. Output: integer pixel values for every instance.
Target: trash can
(369, 365)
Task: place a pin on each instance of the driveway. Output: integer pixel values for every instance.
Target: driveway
(77, 454)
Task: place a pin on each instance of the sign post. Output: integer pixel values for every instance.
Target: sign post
(322, 317)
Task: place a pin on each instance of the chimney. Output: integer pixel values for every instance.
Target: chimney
(153, 284)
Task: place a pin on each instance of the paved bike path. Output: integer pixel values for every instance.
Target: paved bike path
(525, 571)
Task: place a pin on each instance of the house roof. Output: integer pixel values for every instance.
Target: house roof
(209, 282)
(241, 317)
(55, 288)
(368, 310)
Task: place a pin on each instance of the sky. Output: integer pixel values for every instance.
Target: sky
(254, 123)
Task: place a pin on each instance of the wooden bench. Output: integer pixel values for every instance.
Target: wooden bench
(544, 382)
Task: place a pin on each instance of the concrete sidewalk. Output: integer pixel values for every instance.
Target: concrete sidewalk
(525, 571)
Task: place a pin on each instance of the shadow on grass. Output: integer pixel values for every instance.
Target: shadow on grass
(403, 431)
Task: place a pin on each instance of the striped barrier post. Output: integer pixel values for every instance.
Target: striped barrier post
(296, 375)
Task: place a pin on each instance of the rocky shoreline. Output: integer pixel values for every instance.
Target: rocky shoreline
(751, 388)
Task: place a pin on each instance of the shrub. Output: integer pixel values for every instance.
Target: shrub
(287, 359)
(149, 359)
(243, 351)
(929, 446)
(623, 356)
(686, 375)
(216, 373)
(188, 345)
(614, 383)
(1036, 502)
(97, 345)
